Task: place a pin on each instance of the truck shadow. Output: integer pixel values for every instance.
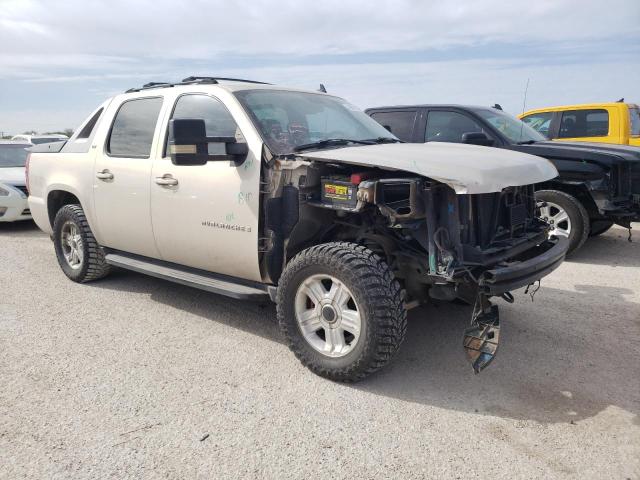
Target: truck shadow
(253, 317)
(611, 248)
(562, 357)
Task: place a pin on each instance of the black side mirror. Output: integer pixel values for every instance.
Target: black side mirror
(477, 138)
(189, 144)
(388, 127)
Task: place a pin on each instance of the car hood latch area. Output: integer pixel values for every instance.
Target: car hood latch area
(482, 337)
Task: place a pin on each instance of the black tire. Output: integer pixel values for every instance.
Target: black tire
(598, 227)
(376, 293)
(92, 265)
(580, 225)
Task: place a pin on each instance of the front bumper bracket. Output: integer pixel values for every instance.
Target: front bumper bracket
(482, 337)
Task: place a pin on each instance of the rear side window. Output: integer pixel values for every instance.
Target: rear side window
(133, 128)
(88, 128)
(584, 123)
(399, 123)
(539, 122)
(634, 113)
(449, 126)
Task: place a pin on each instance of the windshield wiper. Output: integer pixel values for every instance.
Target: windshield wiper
(330, 142)
(383, 140)
(527, 142)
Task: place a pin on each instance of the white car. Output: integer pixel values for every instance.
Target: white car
(38, 139)
(13, 190)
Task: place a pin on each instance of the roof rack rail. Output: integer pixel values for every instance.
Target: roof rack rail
(149, 85)
(155, 84)
(192, 80)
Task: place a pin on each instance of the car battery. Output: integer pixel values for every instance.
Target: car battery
(338, 193)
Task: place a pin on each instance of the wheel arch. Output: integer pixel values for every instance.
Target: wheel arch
(58, 198)
(579, 191)
(379, 244)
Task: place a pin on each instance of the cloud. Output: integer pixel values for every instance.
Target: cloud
(376, 84)
(66, 58)
(204, 29)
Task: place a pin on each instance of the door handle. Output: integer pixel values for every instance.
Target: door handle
(105, 175)
(167, 180)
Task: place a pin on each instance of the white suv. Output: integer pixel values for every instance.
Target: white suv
(257, 191)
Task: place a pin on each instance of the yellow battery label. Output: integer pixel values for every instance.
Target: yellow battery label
(335, 190)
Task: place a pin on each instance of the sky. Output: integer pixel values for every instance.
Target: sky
(60, 60)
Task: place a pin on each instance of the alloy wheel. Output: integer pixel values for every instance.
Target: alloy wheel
(72, 245)
(328, 315)
(558, 219)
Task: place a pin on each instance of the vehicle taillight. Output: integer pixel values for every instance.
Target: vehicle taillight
(27, 171)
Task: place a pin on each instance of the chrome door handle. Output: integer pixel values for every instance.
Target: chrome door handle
(105, 175)
(166, 181)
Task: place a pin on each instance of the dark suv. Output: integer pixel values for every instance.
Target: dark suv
(598, 185)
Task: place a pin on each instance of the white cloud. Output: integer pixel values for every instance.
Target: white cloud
(75, 52)
(204, 29)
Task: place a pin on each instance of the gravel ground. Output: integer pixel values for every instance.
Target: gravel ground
(126, 377)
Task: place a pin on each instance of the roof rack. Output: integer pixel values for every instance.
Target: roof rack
(215, 80)
(191, 81)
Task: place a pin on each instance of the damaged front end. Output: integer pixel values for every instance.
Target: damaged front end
(440, 244)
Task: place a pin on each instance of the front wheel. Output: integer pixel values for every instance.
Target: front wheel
(341, 310)
(566, 216)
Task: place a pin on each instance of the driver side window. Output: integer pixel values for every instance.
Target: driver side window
(445, 126)
(217, 119)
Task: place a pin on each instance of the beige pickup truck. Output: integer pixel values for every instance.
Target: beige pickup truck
(256, 191)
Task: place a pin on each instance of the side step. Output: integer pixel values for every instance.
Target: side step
(211, 282)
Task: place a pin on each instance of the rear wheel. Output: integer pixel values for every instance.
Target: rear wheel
(78, 252)
(341, 310)
(566, 215)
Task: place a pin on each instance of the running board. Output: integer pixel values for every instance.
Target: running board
(191, 277)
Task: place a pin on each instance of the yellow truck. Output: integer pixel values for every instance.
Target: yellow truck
(617, 122)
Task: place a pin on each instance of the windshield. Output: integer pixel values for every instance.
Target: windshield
(13, 155)
(515, 130)
(288, 119)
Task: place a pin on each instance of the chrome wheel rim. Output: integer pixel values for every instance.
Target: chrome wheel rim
(72, 245)
(328, 315)
(557, 218)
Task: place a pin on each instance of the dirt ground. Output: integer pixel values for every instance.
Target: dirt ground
(135, 377)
